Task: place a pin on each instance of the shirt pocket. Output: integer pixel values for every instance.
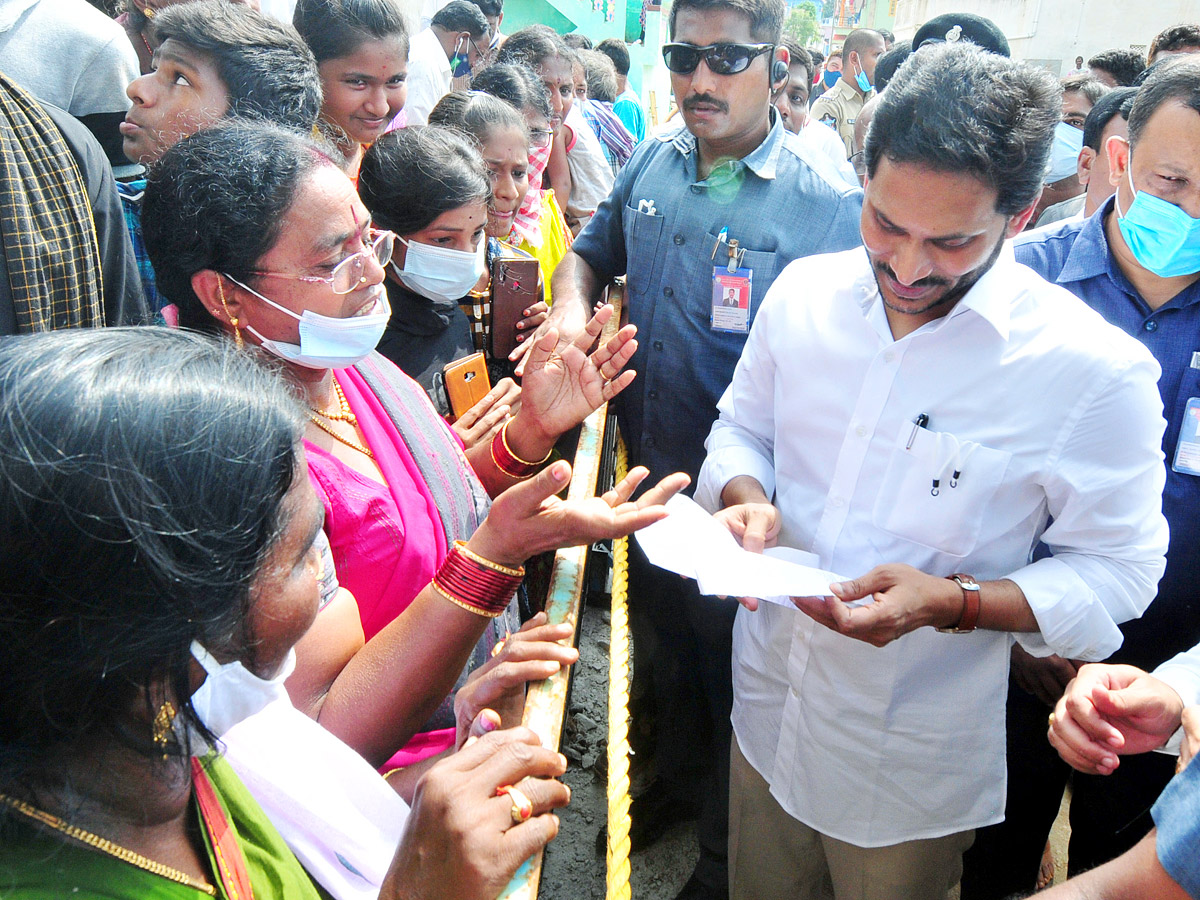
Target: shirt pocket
(763, 263)
(642, 231)
(924, 501)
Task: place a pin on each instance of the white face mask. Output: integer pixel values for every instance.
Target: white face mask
(327, 342)
(441, 273)
(232, 693)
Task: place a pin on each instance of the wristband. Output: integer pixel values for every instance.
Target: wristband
(477, 585)
(508, 462)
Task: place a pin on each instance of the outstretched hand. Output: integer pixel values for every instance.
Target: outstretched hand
(563, 383)
(528, 518)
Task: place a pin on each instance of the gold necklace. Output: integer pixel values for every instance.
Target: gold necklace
(344, 413)
(355, 445)
(106, 846)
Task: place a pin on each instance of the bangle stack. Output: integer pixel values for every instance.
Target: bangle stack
(476, 584)
(508, 462)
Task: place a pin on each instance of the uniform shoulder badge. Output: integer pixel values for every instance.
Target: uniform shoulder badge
(828, 119)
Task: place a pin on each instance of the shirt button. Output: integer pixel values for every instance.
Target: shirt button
(653, 395)
(650, 441)
(837, 502)
(668, 292)
(1151, 325)
(889, 356)
(658, 345)
(695, 188)
(679, 239)
(860, 431)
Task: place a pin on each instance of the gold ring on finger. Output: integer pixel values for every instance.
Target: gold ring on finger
(522, 806)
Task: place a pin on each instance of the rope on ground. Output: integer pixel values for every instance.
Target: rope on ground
(618, 714)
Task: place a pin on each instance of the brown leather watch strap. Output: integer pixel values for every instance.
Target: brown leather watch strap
(970, 614)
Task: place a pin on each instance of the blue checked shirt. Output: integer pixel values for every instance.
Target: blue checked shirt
(131, 205)
(780, 202)
(1075, 255)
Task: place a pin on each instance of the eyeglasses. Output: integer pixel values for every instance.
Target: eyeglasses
(721, 59)
(348, 274)
(540, 137)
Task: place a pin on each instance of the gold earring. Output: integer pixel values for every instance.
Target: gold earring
(233, 320)
(149, 12)
(164, 722)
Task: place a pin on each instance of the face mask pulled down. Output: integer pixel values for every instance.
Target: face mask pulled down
(232, 693)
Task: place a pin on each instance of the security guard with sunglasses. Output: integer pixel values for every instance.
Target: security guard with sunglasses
(713, 208)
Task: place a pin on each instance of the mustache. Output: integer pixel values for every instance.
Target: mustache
(927, 281)
(696, 99)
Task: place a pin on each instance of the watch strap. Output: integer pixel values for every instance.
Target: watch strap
(970, 613)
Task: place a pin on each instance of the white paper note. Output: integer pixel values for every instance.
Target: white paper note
(692, 543)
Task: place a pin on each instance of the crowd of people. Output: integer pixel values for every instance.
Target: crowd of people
(304, 304)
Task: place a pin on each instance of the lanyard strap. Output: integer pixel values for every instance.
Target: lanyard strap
(230, 863)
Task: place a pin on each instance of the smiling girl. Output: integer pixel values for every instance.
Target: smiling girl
(361, 48)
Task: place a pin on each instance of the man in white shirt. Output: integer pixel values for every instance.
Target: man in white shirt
(451, 46)
(916, 408)
(791, 102)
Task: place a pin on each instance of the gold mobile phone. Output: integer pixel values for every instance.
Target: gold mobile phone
(467, 382)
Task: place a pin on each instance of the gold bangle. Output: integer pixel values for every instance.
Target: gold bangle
(524, 462)
(468, 607)
(462, 548)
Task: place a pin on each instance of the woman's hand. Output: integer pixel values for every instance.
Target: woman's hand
(528, 518)
(460, 841)
(532, 654)
(479, 424)
(563, 384)
(534, 317)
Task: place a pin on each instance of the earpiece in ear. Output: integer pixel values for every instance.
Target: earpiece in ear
(779, 72)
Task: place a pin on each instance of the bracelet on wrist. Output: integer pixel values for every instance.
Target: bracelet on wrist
(508, 462)
(476, 584)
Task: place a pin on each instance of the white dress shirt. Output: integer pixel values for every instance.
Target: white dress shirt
(429, 76)
(1046, 411)
(825, 141)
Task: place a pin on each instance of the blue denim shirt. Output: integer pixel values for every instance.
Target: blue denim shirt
(1075, 255)
(1177, 817)
(780, 202)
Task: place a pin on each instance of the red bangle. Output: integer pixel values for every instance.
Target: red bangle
(476, 584)
(508, 462)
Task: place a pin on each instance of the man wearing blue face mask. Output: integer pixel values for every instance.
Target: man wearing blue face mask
(1137, 262)
(447, 49)
(839, 106)
(1062, 182)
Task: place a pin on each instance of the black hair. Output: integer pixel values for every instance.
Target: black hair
(817, 57)
(517, 85)
(1092, 88)
(1118, 101)
(490, 7)
(798, 56)
(411, 176)
(459, 16)
(1170, 80)
(766, 16)
(577, 41)
(616, 50)
(532, 46)
(334, 29)
(1177, 37)
(887, 35)
(860, 40)
(216, 200)
(956, 108)
(477, 114)
(268, 71)
(1123, 65)
(142, 477)
(887, 64)
(601, 76)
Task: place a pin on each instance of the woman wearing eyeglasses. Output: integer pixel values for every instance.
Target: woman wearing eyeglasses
(538, 225)
(262, 238)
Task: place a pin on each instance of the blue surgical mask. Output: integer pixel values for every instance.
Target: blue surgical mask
(460, 66)
(1162, 237)
(831, 78)
(1064, 154)
(441, 274)
(864, 83)
(327, 342)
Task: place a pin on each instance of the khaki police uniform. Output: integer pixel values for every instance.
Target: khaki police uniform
(838, 107)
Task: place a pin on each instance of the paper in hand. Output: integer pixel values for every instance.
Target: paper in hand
(692, 543)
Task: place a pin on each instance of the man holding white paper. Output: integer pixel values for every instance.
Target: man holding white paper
(920, 413)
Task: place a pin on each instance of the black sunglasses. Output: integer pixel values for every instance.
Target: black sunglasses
(721, 59)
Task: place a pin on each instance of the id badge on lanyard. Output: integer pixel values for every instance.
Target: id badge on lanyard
(1187, 450)
(732, 284)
